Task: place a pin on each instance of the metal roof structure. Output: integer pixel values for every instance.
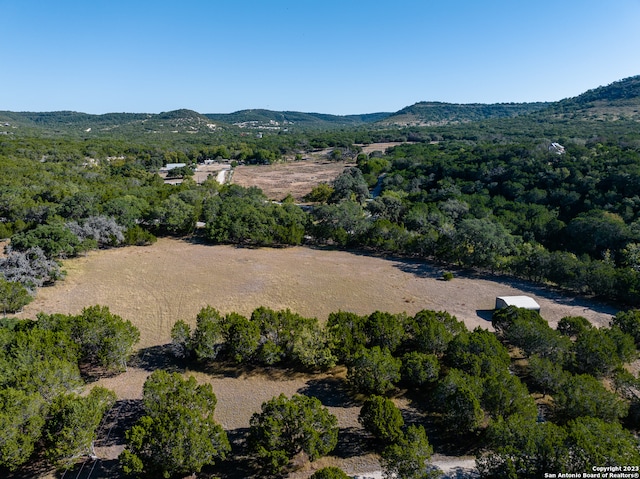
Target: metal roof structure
(525, 302)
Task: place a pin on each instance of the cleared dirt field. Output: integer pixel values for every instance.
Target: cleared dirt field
(296, 177)
(154, 286)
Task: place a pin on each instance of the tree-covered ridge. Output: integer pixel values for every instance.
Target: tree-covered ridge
(617, 100)
(440, 113)
(626, 89)
(260, 118)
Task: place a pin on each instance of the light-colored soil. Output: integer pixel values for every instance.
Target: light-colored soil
(297, 178)
(157, 285)
(294, 177)
(154, 286)
(381, 147)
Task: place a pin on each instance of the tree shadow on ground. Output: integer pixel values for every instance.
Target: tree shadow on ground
(425, 269)
(36, 466)
(229, 369)
(119, 419)
(422, 269)
(353, 442)
(331, 392)
(239, 464)
(158, 357)
(104, 469)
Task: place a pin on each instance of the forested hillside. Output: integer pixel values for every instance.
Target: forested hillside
(545, 192)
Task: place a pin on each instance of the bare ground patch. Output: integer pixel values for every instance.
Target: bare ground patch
(293, 177)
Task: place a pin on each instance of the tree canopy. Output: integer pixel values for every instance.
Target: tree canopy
(178, 433)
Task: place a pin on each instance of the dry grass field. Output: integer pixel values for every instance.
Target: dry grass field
(154, 286)
(296, 177)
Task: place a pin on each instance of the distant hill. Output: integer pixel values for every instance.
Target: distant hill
(127, 124)
(54, 119)
(288, 119)
(619, 100)
(438, 113)
(176, 121)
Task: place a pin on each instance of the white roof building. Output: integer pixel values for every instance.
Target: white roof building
(525, 302)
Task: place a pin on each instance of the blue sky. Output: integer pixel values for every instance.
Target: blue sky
(339, 57)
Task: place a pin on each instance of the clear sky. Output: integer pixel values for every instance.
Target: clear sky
(327, 56)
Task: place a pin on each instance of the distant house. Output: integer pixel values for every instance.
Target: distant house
(556, 148)
(525, 302)
(172, 166)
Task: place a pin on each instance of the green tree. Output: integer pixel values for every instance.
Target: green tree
(504, 395)
(381, 418)
(458, 399)
(242, 338)
(595, 231)
(176, 216)
(598, 442)
(596, 352)
(73, 423)
(546, 374)
(385, 330)
(409, 457)
(56, 240)
(629, 322)
(584, 395)
(350, 185)
(527, 330)
(181, 339)
(178, 433)
(419, 369)
(13, 296)
(22, 418)
(105, 338)
(330, 472)
(42, 361)
(285, 334)
(481, 242)
(286, 427)
(346, 334)
(343, 223)
(477, 352)
(311, 348)
(320, 193)
(374, 371)
(431, 331)
(209, 335)
(520, 447)
(572, 326)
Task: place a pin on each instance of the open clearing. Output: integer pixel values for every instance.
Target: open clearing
(295, 177)
(154, 286)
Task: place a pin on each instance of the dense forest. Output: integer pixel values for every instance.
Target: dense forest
(545, 192)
